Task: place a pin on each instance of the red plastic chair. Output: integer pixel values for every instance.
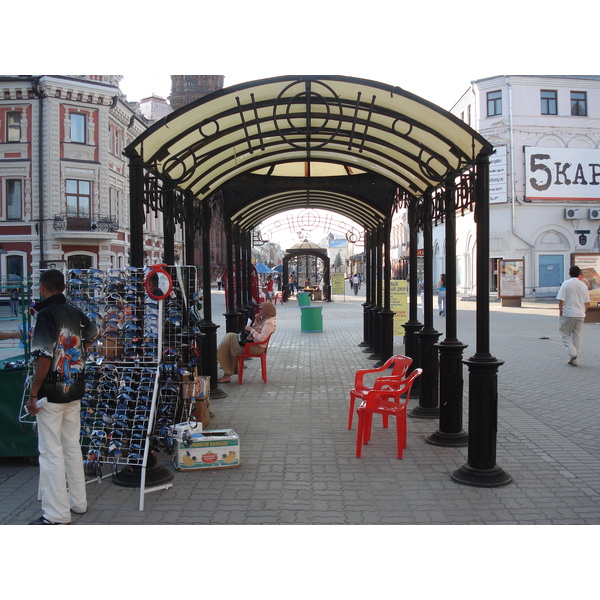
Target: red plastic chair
(388, 403)
(398, 364)
(246, 354)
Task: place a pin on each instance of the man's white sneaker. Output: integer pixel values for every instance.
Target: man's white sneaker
(573, 361)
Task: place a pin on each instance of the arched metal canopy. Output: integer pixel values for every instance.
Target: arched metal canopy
(244, 142)
(310, 120)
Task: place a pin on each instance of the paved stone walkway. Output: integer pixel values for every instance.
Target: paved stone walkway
(299, 464)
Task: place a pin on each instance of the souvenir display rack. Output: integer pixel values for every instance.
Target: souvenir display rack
(133, 394)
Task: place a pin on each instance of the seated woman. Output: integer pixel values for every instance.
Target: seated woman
(229, 348)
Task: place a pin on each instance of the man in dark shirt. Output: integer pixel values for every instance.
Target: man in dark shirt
(59, 348)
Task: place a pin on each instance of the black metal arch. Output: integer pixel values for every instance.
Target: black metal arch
(366, 199)
(308, 118)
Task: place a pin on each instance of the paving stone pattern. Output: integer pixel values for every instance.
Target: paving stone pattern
(298, 457)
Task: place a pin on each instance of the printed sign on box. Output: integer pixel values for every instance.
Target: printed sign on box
(217, 449)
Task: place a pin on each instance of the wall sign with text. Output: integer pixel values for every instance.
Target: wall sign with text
(562, 174)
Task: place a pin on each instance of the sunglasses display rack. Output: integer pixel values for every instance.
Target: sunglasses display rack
(133, 396)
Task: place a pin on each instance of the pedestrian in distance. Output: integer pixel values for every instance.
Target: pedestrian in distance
(58, 346)
(442, 295)
(573, 301)
(14, 302)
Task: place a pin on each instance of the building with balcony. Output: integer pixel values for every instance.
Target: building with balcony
(64, 183)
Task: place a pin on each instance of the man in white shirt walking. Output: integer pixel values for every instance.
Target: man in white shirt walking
(573, 301)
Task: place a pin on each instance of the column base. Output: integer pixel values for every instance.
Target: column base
(494, 477)
(131, 476)
(450, 440)
(419, 412)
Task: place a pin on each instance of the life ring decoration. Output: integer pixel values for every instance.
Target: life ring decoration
(158, 283)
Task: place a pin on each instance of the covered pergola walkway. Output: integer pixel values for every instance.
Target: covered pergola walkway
(359, 148)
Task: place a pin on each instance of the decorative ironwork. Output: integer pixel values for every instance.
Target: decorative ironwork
(307, 133)
(305, 222)
(64, 222)
(108, 224)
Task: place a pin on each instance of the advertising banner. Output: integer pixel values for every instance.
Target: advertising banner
(589, 264)
(337, 283)
(399, 304)
(562, 174)
(511, 278)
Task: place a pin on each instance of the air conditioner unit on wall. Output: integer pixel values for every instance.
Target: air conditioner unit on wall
(571, 213)
(594, 214)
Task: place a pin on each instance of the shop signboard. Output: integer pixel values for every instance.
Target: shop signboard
(562, 174)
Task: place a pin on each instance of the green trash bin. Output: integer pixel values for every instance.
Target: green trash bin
(16, 438)
(303, 298)
(311, 319)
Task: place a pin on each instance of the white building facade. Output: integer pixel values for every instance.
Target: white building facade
(544, 177)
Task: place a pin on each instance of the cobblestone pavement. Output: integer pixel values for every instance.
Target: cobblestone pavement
(298, 457)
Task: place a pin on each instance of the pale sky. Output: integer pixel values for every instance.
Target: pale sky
(432, 49)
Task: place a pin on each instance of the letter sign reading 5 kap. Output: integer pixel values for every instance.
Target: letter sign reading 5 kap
(562, 174)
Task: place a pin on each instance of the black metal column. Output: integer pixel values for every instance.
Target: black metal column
(387, 314)
(450, 431)
(481, 469)
(231, 315)
(169, 229)
(131, 475)
(413, 325)
(428, 335)
(368, 279)
(189, 234)
(208, 355)
(238, 275)
(136, 212)
(246, 275)
(378, 307)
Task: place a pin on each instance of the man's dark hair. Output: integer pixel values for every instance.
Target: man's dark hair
(574, 271)
(53, 280)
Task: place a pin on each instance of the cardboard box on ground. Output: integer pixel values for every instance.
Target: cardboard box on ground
(197, 448)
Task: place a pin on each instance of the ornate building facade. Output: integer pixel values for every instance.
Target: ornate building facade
(64, 183)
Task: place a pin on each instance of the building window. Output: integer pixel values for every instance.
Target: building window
(79, 261)
(14, 267)
(78, 199)
(78, 123)
(14, 200)
(116, 145)
(494, 103)
(549, 102)
(579, 104)
(13, 126)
